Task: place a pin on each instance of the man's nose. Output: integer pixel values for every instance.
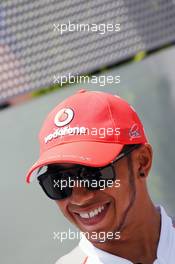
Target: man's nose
(81, 195)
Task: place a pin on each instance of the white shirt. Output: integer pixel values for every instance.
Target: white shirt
(165, 250)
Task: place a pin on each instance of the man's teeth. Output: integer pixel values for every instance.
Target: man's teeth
(92, 213)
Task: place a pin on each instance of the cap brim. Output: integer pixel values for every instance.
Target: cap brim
(95, 154)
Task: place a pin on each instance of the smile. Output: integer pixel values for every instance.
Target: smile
(94, 215)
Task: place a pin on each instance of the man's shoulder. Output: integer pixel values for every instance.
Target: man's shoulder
(75, 255)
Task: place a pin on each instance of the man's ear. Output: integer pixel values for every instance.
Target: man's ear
(144, 158)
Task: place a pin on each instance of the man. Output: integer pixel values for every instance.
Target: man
(98, 140)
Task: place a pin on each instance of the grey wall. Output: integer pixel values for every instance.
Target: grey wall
(30, 45)
(28, 218)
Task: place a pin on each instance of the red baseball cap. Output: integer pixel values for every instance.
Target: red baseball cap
(88, 128)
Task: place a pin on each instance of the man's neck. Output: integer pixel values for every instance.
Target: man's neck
(141, 245)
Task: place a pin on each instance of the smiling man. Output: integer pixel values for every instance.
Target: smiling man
(94, 162)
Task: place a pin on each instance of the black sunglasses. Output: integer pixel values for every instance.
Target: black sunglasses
(58, 183)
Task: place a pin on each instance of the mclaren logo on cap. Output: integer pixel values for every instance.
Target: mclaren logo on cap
(134, 132)
(63, 117)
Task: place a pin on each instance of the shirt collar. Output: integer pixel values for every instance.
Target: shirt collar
(99, 256)
(166, 246)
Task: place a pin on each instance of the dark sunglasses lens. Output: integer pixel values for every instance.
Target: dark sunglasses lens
(56, 183)
(107, 173)
(100, 177)
(53, 187)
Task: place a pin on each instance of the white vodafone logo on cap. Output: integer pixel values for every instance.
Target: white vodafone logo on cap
(64, 117)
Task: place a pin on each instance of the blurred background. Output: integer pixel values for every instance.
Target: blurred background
(32, 56)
